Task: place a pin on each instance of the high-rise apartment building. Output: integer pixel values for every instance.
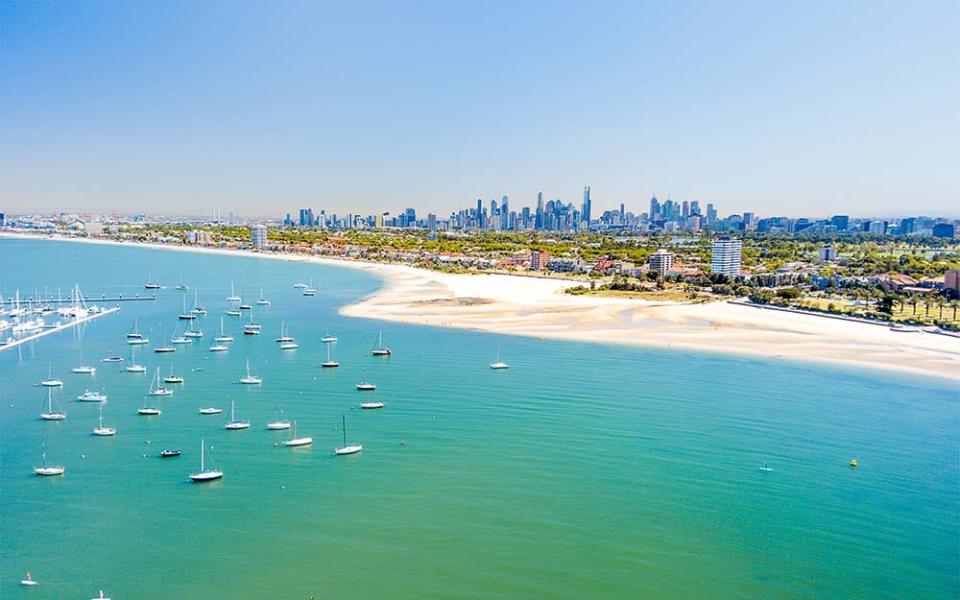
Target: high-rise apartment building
(726, 257)
(258, 235)
(585, 211)
(661, 261)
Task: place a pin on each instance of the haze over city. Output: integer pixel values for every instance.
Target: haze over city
(181, 107)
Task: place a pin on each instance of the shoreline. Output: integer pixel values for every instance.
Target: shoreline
(537, 307)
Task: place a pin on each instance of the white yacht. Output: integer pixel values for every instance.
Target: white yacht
(156, 389)
(218, 348)
(232, 312)
(499, 364)
(295, 441)
(223, 337)
(262, 301)
(205, 474)
(85, 370)
(364, 385)
(135, 332)
(211, 410)
(289, 346)
(171, 378)
(233, 297)
(186, 315)
(379, 349)
(132, 366)
(45, 470)
(51, 381)
(112, 359)
(371, 405)
(283, 334)
(100, 429)
(234, 422)
(197, 309)
(250, 379)
(88, 396)
(138, 341)
(346, 448)
(329, 363)
(147, 410)
(51, 413)
(300, 286)
(279, 422)
(328, 339)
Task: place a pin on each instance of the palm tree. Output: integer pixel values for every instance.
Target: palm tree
(940, 302)
(926, 304)
(913, 302)
(954, 305)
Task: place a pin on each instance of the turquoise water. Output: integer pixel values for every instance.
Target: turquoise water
(583, 471)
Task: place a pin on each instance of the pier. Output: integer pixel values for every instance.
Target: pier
(7, 345)
(69, 300)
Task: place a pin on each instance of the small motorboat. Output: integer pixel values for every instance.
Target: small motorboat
(310, 292)
(85, 370)
(28, 580)
(173, 379)
(164, 349)
(147, 411)
(211, 410)
(371, 405)
(88, 396)
(300, 286)
(853, 462)
(766, 467)
(289, 346)
(113, 359)
(169, 453)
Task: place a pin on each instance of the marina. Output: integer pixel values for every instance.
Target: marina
(477, 447)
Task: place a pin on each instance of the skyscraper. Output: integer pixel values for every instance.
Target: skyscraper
(726, 257)
(258, 235)
(585, 210)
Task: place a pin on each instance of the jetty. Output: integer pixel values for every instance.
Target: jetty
(14, 342)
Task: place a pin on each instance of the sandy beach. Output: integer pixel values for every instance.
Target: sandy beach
(530, 306)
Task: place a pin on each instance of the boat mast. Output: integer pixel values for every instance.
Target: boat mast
(344, 428)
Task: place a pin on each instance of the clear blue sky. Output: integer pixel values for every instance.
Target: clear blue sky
(777, 107)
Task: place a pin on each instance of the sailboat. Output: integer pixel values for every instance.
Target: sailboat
(51, 414)
(329, 338)
(243, 305)
(51, 381)
(152, 285)
(233, 297)
(223, 337)
(346, 448)
(164, 349)
(364, 386)
(28, 580)
(147, 410)
(112, 359)
(499, 364)
(45, 470)
(88, 396)
(234, 422)
(203, 474)
(180, 340)
(132, 366)
(250, 379)
(380, 349)
(100, 429)
(197, 309)
(279, 422)
(251, 328)
(134, 334)
(156, 389)
(193, 333)
(84, 368)
(330, 363)
(171, 378)
(262, 301)
(186, 315)
(283, 334)
(295, 441)
(215, 347)
(310, 290)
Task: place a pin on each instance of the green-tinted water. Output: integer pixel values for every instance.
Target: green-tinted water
(583, 471)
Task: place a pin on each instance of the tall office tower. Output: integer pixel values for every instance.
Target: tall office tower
(711, 214)
(306, 217)
(411, 217)
(378, 221)
(668, 209)
(726, 257)
(840, 222)
(538, 218)
(623, 213)
(505, 213)
(654, 209)
(431, 221)
(585, 211)
(686, 209)
(695, 207)
(748, 221)
(479, 214)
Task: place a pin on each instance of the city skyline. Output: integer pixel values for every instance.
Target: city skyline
(832, 108)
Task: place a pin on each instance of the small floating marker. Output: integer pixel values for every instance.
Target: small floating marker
(853, 462)
(403, 442)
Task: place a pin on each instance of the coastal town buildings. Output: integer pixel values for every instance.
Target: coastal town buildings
(726, 259)
(661, 261)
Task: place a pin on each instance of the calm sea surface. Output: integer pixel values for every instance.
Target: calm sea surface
(583, 471)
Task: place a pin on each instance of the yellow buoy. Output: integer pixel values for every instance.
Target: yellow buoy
(853, 462)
